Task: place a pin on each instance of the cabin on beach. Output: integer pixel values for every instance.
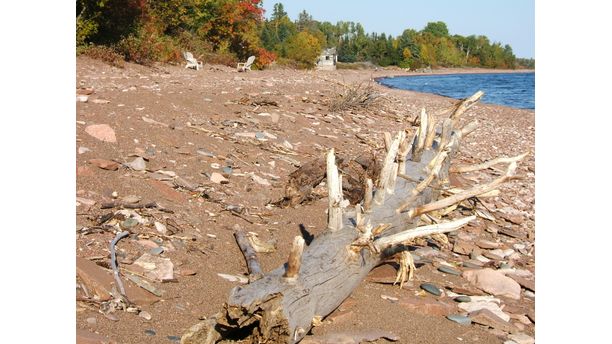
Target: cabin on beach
(327, 60)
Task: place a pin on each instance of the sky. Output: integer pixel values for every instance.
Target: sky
(505, 21)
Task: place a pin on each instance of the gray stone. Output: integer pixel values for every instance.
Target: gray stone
(227, 170)
(149, 332)
(460, 319)
(431, 288)
(137, 164)
(463, 298)
(449, 270)
(156, 251)
(129, 223)
(175, 339)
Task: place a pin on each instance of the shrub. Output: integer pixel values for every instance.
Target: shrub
(103, 53)
(264, 58)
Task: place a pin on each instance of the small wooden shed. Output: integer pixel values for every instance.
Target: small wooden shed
(327, 60)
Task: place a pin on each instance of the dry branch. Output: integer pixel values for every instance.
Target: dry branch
(475, 191)
(250, 256)
(487, 164)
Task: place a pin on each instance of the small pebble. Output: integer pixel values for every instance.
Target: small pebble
(114, 194)
(156, 251)
(227, 170)
(449, 270)
(92, 321)
(128, 223)
(205, 153)
(175, 339)
(463, 298)
(460, 319)
(149, 332)
(145, 315)
(431, 288)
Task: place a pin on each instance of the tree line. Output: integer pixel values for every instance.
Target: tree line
(224, 31)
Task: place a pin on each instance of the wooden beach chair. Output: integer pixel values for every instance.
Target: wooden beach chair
(243, 67)
(191, 61)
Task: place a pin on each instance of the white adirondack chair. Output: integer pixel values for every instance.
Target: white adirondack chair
(243, 67)
(191, 61)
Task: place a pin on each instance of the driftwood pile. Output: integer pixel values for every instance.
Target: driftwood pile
(281, 306)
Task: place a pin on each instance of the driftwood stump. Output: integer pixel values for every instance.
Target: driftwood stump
(281, 306)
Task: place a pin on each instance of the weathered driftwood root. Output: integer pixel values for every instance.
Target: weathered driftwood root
(281, 306)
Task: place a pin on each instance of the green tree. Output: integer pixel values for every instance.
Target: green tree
(304, 48)
(437, 29)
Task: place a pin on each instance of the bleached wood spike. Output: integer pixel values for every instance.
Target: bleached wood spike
(387, 138)
(447, 129)
(487, 164)
(388, 241)
(465, 105)
(402, 154)
(475, 191)
(367, 198)
(388, 166)
(390, 187)
(334, 190)
(295, 258)
(468, 128)
(431, 130)
(433, 174)
(417, 150)
(358, 217)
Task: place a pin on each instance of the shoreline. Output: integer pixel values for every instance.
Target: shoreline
(451, 71)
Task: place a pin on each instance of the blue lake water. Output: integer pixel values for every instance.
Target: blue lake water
(510, 89)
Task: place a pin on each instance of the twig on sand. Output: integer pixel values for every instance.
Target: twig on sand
(118, 237)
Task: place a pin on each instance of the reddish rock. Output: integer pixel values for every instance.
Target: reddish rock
(167, 192)
(525, 283)
(463, 247)
(339, 316)
(148, 244)
(493, 282)
(492, 255)
(487, 245)
(384, 273)
(187, 272)
(100, 282)
(467, 291)
(105, 164)
(102, 132)
(488, 318)
(85, 91)
(86, 337)
(426, 305)
(218, 178)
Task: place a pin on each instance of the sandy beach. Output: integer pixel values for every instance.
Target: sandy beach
(254, 129)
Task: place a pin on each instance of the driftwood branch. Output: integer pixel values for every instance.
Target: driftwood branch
(475, 191)
(281, 306)
(114, 266)
(487, 164)
(250, 256)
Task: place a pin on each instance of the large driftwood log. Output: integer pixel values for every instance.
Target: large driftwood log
(281, 306)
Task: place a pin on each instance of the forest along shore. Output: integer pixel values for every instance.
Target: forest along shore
(183, 158)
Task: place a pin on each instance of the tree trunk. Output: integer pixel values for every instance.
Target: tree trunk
(281, 306)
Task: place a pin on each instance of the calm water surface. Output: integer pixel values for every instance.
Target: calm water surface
(509, 89)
